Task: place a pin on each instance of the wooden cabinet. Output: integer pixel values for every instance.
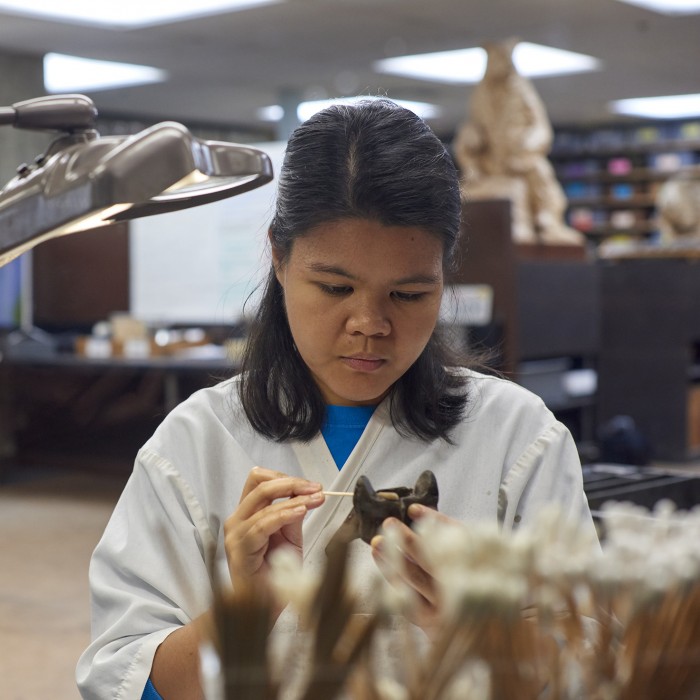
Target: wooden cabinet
(64, 411)
(611, 176)
(649, 356)
(81, 279)
(545, 309)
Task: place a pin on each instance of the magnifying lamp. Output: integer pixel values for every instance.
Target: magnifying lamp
(84, 181)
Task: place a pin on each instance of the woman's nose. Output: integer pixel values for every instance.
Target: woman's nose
(368, 318)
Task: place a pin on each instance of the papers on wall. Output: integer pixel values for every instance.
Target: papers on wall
(200, 265)
(467, 304)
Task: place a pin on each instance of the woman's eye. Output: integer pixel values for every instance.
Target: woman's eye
(408, 296)
(336, 291)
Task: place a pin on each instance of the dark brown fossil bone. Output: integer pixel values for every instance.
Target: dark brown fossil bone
(371, 508)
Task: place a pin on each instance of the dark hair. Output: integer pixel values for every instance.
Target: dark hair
(373, 160)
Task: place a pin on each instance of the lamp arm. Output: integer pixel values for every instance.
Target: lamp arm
(69, 113)
(7, 116)
(83, 181)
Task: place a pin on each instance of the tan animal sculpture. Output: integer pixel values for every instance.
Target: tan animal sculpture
(502, 151)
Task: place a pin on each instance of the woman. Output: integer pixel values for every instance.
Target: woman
(344, 375)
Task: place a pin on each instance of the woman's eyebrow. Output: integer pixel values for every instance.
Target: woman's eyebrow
(341, 272)
(330, 270)
(418, 279)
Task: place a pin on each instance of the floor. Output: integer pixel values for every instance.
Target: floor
(49, 525)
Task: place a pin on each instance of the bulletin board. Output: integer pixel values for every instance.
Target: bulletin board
(201, 265)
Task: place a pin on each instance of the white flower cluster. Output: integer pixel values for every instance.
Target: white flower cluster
(641, 583)
(648, 552)
(483, 569)
(614, 599)
(642, 550)
(476, 567)
(291, 582)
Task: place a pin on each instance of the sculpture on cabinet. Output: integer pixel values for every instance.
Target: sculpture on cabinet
(502, 151)
(678, 208)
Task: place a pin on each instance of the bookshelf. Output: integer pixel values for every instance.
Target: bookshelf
(612, 175)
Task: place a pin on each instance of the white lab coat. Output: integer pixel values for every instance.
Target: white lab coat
(149, 573)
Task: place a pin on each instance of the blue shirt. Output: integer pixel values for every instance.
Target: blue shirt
(150, 693)
(343, 427)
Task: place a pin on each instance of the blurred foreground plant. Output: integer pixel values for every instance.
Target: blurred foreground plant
(542, 612)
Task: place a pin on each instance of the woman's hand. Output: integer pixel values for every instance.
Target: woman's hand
(412, 569)
(270, 515)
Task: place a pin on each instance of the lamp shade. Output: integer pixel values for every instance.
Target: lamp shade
(85, 181)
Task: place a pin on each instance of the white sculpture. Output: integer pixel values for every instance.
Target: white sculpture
(678, 210)
(502, 151)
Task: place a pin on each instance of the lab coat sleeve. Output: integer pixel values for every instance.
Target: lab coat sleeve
(149, 575)
(547, 471)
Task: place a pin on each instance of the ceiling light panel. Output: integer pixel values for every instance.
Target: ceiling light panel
(666, 107)
(468, 65)
(272, 113)
(667, 7)
(74, 74)
(126, 14)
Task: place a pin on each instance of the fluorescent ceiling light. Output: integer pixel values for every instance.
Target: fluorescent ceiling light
(468, 65)
(668, 7)
(273, 113)
(74, 74)
(125, 13)
(308, 109)
(667, 107)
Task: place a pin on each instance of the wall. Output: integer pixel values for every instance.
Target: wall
(22, 79)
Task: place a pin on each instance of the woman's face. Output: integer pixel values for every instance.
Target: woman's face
(362, 301)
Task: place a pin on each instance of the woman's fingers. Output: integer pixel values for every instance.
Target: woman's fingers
(259, 476)
(265, 486)
(253, 532)
(411, 567)
(417, 511)
(403, 571)
(248, 543)
(270, 514)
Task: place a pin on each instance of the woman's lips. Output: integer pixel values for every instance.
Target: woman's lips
(364, 364)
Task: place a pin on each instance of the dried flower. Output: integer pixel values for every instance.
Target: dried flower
(544, 607)
(291, 583)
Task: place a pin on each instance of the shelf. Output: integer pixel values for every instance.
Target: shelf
(609, 231)
(636, 202)
(637, 139)
(611, 175)
(672, 146)
(634, 175)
